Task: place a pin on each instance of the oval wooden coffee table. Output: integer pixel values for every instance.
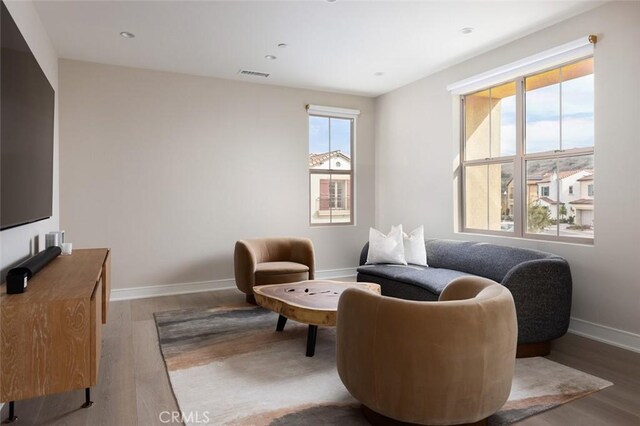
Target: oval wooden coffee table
(313, 302)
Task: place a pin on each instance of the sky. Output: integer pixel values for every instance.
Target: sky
(329, 134)
(543, 117)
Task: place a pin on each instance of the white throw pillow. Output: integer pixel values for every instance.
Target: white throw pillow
(386, 248)
(414, 250)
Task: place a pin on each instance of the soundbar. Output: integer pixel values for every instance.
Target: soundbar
(17, 277)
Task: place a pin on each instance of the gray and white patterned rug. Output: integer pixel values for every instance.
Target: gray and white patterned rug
(228, 366)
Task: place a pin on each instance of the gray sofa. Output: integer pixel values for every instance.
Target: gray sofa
(539, 282)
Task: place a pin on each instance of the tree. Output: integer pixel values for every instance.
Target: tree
(538, 217)
(562, 211)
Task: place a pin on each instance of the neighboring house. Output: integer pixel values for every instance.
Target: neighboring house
(576, 194)
(330, 193)
(583, 206)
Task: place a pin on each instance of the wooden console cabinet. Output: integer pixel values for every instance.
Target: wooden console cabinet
(50, 335)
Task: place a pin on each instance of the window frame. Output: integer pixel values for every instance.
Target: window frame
(330, 172)
(519, 161)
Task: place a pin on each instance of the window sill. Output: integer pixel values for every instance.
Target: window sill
(582, 242)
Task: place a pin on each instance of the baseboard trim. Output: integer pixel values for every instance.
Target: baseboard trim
(169, 289)
(336, 273)
(602, 333)
(200, 286)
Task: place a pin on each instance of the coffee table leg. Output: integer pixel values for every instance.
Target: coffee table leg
(281, 322)
(311, 340)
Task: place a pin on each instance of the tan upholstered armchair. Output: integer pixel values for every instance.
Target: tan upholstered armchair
(272, 261)
(440, 363)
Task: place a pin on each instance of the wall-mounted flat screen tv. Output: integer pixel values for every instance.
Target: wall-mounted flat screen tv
(27, 103)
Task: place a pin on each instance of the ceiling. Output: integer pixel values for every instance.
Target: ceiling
(334, 46)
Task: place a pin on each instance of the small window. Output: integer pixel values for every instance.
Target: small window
(330, 170)
(590, 190)
(544, 191)
(570, 189)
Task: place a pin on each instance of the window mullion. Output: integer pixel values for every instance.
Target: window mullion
(519, 173)
(558, 181)
(488, 226)
(574, 152)
(496, 160)
(490, 131)
(560, 117)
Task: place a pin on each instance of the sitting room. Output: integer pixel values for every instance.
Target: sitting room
(330, 212)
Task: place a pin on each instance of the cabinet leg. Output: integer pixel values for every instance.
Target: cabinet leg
(87, 398)
(12, 413)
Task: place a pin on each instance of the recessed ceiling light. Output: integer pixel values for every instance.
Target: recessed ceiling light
(466, 30)
(282, 45)
(271, 57)
(330, 1)
(378, 73)
(126, 34)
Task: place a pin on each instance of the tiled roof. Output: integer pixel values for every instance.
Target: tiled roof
(562, 175)
(582, 201)
(548, 200)
(587, 177)
(316, 159)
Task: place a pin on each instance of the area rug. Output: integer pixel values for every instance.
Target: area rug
(228, 366)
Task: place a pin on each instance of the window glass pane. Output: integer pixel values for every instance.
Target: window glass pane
(476, 196)
(503, 120)
(558, 197)
(330, 198)
(477, 123)
(340, 130)
(542, 106)
(501, 199)
(542, 197)
(577, 105)
(575, 211)
(319, 144)
(489, 197)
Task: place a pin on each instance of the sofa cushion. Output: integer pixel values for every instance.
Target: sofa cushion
(277, 268)
(432, 279)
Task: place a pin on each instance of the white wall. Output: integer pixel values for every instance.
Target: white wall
(169, 170)
(19, 243)
(417, 148)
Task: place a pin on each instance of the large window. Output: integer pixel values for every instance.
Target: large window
(528, 156)
(331, 170)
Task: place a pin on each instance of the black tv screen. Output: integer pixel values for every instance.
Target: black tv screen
(27, 103)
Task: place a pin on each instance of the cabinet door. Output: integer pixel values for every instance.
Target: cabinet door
(45, 348)
(96, 331)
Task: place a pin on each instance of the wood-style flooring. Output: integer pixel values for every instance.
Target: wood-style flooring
(134, 389)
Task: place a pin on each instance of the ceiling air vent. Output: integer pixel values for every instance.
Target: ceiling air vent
(254, 73)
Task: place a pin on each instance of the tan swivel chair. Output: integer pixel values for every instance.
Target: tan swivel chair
(272, 261)
(439, 363)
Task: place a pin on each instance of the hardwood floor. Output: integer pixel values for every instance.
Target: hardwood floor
(134, 389)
